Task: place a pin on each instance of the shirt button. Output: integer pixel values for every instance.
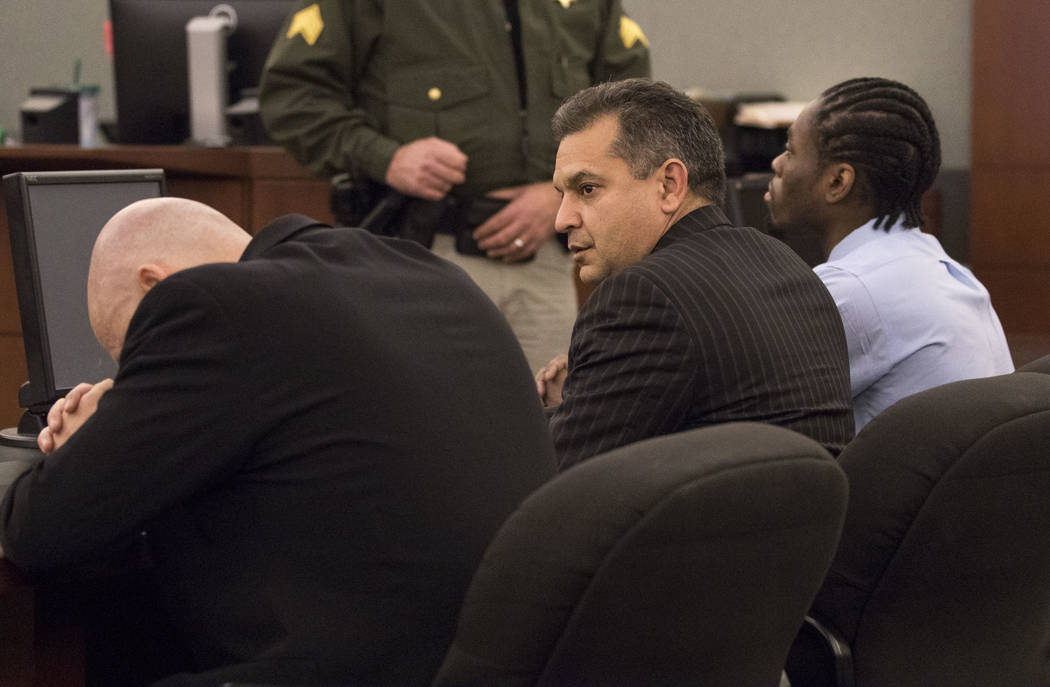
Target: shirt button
(434, 93)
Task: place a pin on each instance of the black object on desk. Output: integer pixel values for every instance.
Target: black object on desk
(51, 115)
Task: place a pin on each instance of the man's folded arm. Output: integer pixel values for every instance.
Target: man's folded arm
(168, 428)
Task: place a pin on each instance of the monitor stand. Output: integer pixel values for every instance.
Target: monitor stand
(18, 453)
(10, 436)
(24, 436)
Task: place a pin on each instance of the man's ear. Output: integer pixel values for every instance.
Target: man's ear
(674, 184)
(150, 274)
(839, 178)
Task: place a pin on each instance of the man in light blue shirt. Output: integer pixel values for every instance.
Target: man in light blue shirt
(856, 164)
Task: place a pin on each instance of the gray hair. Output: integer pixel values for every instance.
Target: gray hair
(657, 123)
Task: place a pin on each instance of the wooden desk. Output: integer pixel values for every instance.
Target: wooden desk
(251, 186)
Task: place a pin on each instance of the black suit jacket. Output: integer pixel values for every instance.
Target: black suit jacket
(717, 324)
(319, 442)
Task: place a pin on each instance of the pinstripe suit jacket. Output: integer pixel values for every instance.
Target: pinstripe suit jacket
(717, 324)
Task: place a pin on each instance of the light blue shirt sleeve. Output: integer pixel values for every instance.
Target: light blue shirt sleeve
(862, 324)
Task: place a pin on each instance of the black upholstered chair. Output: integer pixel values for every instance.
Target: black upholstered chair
(687, 559)
(1038, 365)
(942, 576)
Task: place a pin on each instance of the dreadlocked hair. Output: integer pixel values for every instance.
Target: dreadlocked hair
(885, 131)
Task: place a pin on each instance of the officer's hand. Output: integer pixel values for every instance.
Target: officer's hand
(427, 168)
(69, 413)
(518, 230)
(550, 380)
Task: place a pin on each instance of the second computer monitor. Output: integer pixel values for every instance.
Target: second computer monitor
(149, 60)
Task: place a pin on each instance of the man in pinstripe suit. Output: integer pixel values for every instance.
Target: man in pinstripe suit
(694, 321)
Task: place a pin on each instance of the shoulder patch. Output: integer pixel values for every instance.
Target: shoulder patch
(308, 23)
(631, 33)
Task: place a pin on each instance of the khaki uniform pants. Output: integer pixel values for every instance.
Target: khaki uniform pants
(538, 297)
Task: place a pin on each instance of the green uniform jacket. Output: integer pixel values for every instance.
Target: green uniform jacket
(348, 81)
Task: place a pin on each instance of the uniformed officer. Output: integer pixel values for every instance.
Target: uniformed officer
(448, 104)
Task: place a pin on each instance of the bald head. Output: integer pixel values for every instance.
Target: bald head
(143, 244)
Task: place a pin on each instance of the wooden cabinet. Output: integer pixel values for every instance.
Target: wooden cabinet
(1010, 167)
(249, 185)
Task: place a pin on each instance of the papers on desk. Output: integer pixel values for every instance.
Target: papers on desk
(768, 115)
(43, 103)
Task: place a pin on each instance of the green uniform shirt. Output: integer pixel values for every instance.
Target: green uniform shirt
(348, 81)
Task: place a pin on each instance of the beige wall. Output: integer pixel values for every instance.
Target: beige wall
(40, 40)
(800, 47)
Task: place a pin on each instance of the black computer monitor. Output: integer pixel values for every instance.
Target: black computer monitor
(54, 218)
(150, 68)
(745, 204)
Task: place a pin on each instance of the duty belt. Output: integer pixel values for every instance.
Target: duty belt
(419, 220)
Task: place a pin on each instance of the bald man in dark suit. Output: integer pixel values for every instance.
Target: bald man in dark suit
(291, 435)
(694, 321)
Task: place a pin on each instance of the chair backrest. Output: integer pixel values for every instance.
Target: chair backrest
(943, 571)
(683, 559)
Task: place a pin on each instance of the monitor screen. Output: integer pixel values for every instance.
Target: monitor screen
(54, 218)
(149, 60)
